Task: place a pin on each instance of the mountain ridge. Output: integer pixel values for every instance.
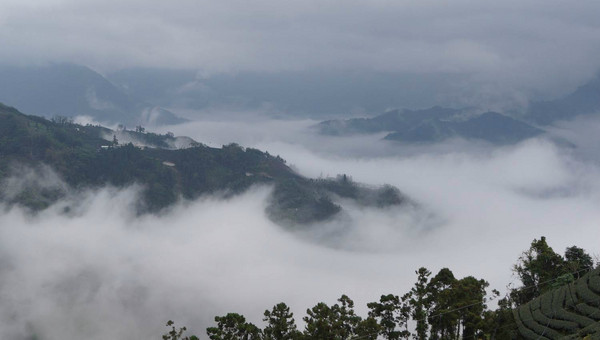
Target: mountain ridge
(584, 100)
(434, 125)
(74, 90)
(84, 158)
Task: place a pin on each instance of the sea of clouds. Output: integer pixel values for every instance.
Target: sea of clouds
(98, 271)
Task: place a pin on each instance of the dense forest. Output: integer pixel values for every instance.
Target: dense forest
(84, 157)
(559, 298)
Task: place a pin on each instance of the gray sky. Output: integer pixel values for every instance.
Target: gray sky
(505, 45)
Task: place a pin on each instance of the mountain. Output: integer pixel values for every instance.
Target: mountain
(317, 94)
(73, 90)
(435, 124)
(584, 100)
(57, 157)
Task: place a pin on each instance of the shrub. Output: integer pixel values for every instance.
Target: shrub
(525, 332)
(547, 323)
(582, 321)
(589, 311)
(530, 322)
(594, 283)
(586, 295)
(546, 304)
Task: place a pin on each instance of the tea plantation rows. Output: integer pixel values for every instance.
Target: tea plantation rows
(569, 312)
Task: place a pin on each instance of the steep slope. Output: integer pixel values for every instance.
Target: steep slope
(434, 125)
(78, 157)
(71, 90)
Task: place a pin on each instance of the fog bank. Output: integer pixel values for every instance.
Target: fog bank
(97, 271)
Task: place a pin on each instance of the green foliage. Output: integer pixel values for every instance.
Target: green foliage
(580, 320)
(471, 300)
(590, 332)
(233, 326)
(318, 322)
(578, 261)
(536, 267)
(554, 325)
(175, 334)
(346, 319)
(546, 301)
(337, 322)
(419, 302)
(280, 324)
(527, 318)
(562, 280)
(523, 329)
(345, 187)
(392, 315)
(342, 185)
(546, 323)
(443, 321)
(594, 283)
(84, 159)
(587, 310)
(295, 200)
(563, 312)
(500, 324)
(585, 294)
(540, 269)
(368, 329)
(456, 303)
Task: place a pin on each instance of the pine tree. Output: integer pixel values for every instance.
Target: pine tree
(280, 323)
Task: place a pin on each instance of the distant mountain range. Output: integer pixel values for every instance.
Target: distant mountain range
(583, 101)
(315, 94)
(168, 168)
(434, 125)
(139, 97)
(74, 90)
(437, 123)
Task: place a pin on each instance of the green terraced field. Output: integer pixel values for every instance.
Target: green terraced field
(568, 312)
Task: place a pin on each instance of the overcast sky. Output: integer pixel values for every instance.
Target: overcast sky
(529, 43)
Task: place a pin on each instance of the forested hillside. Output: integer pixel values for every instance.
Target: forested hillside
(86, 157)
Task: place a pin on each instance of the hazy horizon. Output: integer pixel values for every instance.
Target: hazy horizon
(503, 54)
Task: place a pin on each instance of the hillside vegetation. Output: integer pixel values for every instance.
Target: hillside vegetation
(446, 307)
(91, 156)
(571, 311)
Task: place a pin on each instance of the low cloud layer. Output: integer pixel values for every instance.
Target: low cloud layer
(102, 273)
(510, 49)
(99, 272)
